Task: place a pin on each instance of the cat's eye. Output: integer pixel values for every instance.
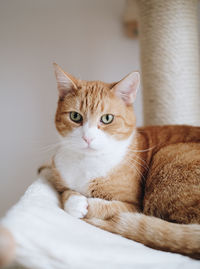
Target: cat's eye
(107, 118)
(76, 117)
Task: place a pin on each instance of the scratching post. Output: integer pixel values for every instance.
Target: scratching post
(170, 61)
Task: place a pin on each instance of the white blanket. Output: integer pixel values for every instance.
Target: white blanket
(48, 238)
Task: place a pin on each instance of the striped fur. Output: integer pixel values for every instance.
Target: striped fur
(149, 190)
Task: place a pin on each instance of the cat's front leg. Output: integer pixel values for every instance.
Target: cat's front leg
(103, 209)
(74, 203)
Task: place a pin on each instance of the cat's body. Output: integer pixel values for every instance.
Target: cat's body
(107, 170)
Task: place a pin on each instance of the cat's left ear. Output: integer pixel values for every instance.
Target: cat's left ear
(127, 88)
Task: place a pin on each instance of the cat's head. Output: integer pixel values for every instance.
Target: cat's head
(92, 116)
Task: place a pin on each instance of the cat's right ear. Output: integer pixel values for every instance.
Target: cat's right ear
(65, 82)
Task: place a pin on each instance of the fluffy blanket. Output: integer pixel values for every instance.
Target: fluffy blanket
(48, 238)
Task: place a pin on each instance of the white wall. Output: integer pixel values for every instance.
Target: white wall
(85, 37)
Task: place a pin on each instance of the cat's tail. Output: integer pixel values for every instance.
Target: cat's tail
(7, 247)
(154, 232)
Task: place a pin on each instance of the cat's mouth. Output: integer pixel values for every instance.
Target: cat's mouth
(89, 149)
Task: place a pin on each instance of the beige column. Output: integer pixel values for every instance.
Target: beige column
(170, 61)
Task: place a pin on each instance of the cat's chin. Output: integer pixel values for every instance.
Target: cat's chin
(91, 151)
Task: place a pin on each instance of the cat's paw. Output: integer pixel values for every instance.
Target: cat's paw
(76, 206)
(97, 208)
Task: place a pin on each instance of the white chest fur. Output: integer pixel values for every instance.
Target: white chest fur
(78, 170)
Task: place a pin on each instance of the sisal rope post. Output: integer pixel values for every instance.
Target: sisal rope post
(170, 61)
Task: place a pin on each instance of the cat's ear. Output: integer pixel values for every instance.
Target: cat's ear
(65, 82)
(127, 88)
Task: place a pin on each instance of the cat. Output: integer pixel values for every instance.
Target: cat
(142, 183)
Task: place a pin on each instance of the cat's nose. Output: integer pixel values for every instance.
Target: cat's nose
(88, 140)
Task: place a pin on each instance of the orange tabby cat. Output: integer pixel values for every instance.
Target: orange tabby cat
(141, 183)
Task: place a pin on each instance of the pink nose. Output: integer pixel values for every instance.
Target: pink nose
(87, 139)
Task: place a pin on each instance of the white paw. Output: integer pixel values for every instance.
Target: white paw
(76, 206)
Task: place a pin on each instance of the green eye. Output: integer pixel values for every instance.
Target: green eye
(76, 117)
(107, 118)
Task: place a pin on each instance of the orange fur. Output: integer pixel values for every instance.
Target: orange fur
(159, 176)
(95, 98)
(66, 194)
(171, 192)
(100, 208)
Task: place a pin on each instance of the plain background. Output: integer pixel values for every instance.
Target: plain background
(86, 38)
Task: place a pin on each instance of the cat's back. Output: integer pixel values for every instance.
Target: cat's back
(172, 188)
(158, 136)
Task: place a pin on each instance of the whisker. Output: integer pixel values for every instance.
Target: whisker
(146, 168)
(143, 150)
(144, 162)
(135, 168)
(140, 158)
(49, 147)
